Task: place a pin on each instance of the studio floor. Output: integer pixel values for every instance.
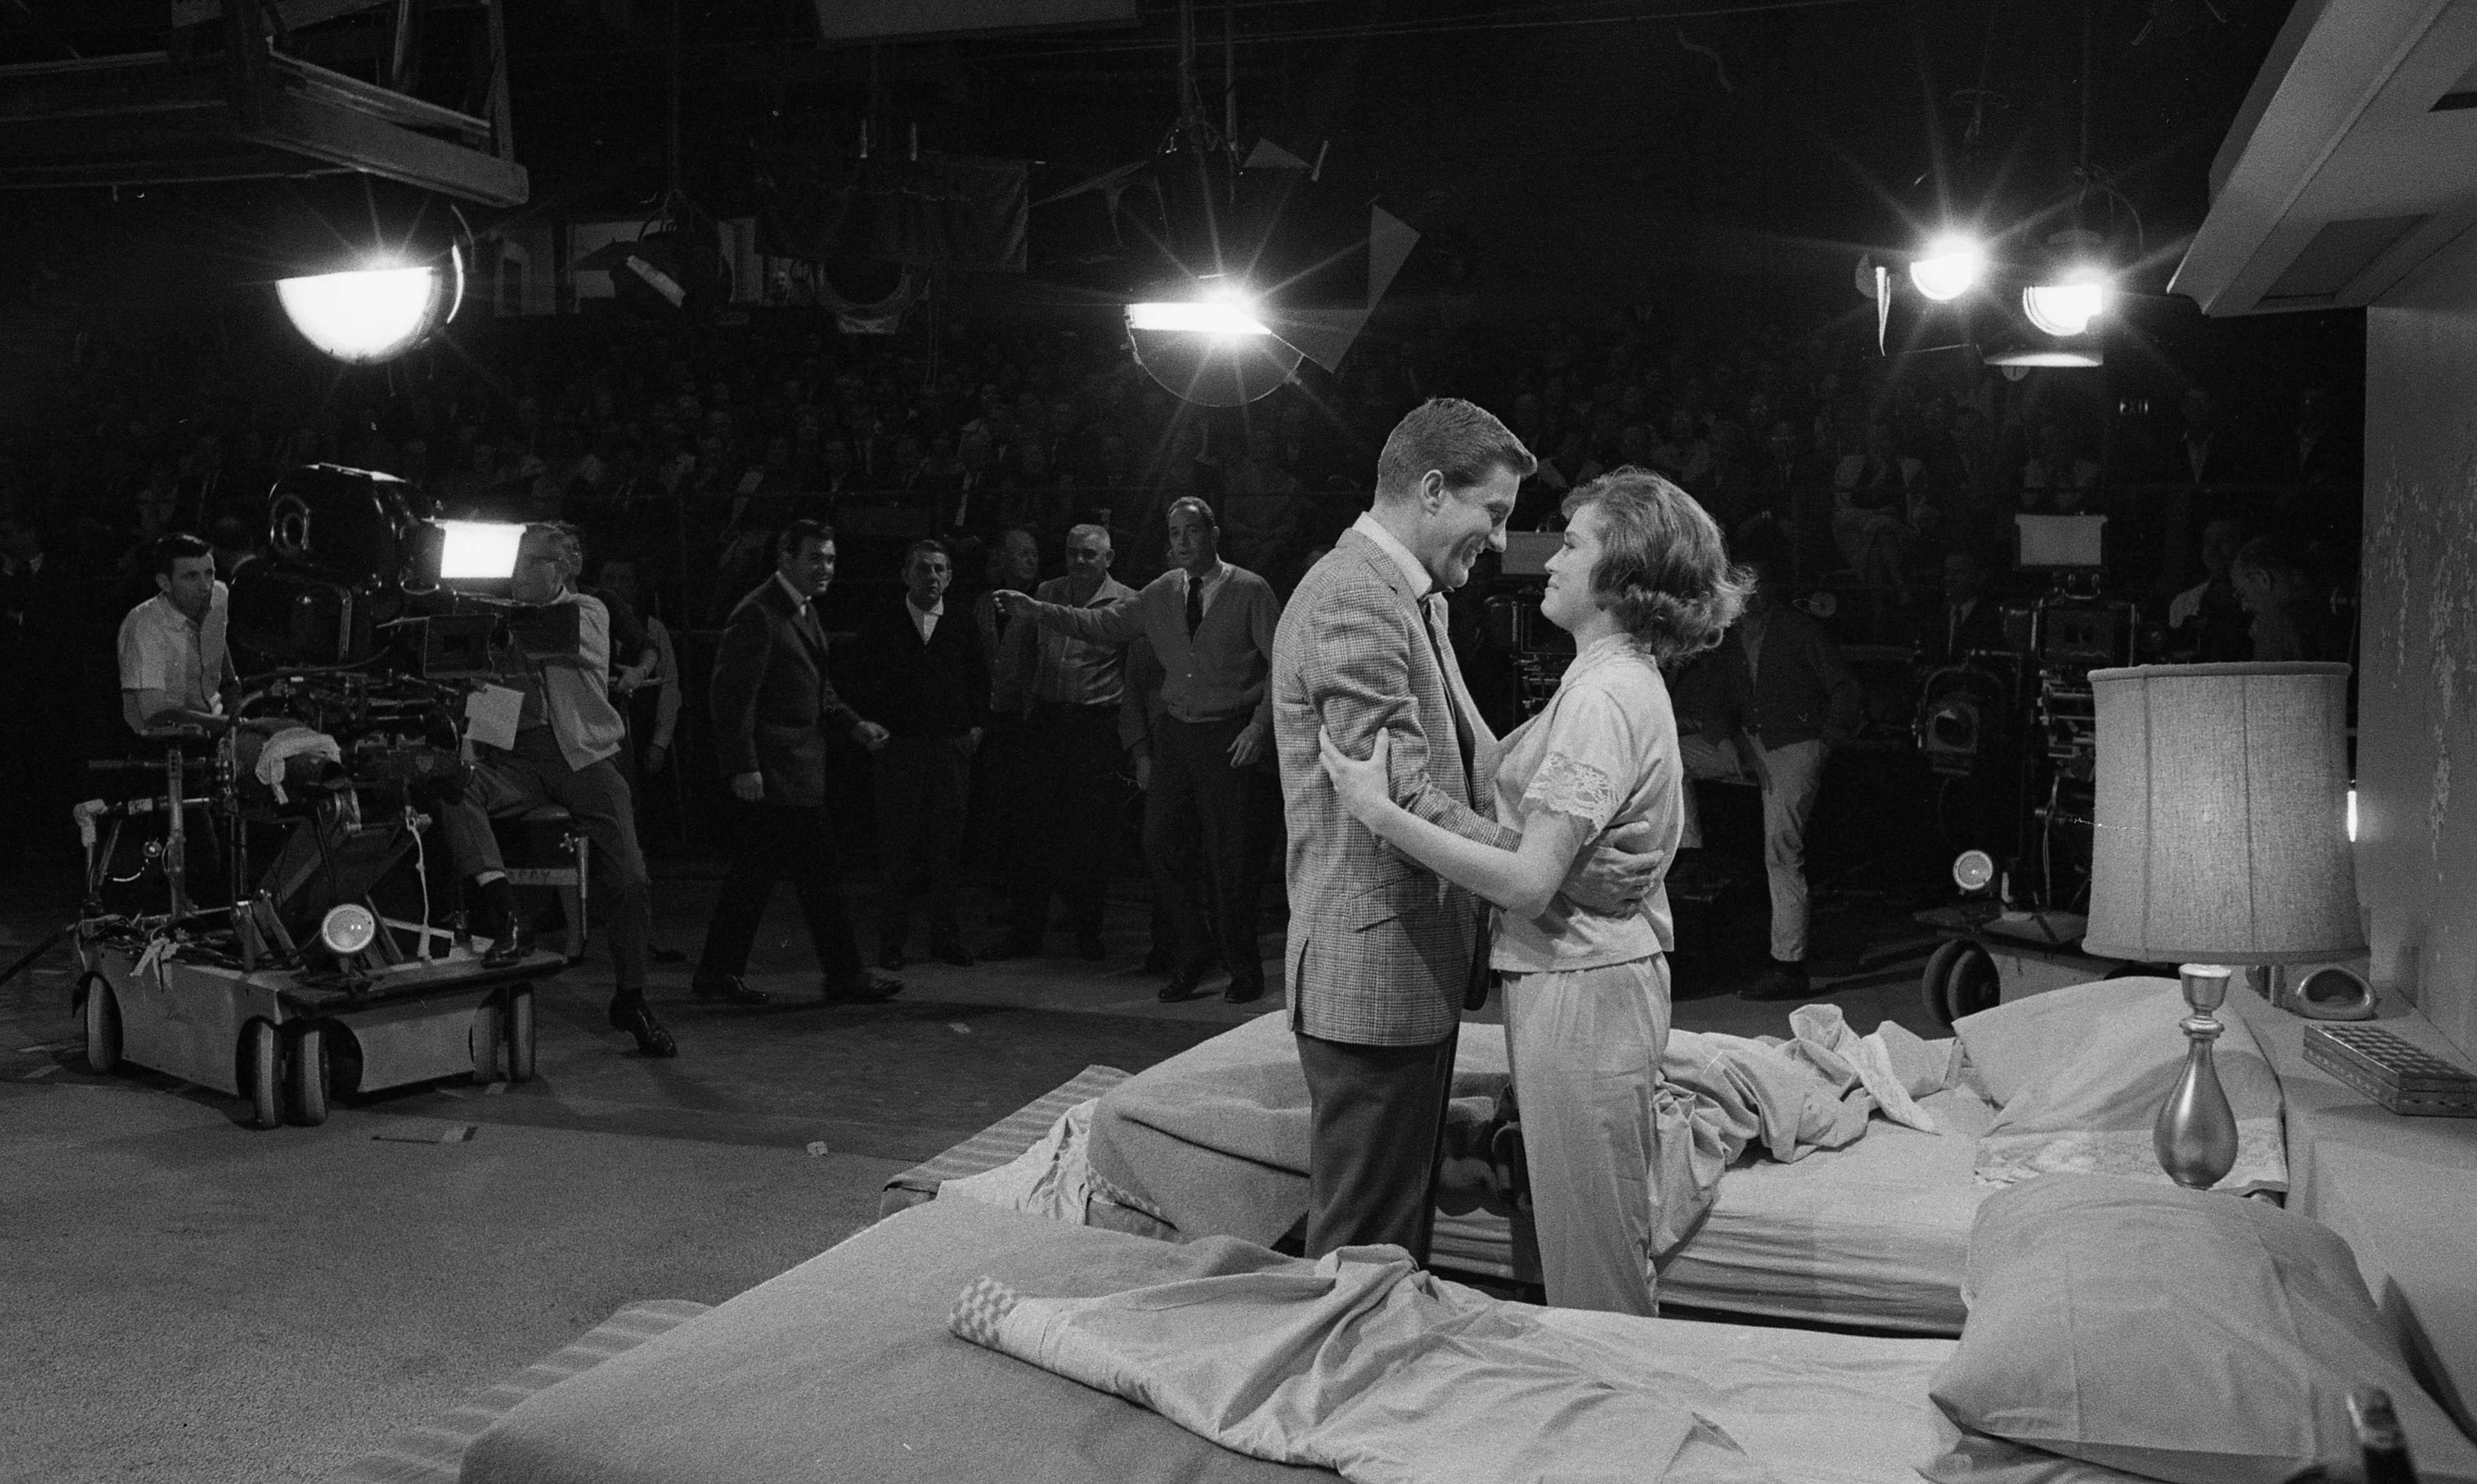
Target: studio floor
(189, 1299)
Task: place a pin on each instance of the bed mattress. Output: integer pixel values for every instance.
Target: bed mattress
(1872, 1235)
(843, 1368)
(1215, 1141)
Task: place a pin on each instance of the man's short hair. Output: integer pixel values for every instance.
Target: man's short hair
(179, 546)
(925, 546)
(563, 542)
(1194, 503)
(1088, 529)
(788, 541)
(1461, 440)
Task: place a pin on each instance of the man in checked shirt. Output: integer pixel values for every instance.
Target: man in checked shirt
(1211, 626)
(1082, 720)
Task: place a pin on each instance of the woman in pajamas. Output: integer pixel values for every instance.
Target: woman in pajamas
(1642, 580)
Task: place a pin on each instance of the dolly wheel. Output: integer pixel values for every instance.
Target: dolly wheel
(307, 1066)
(102, 1026)
(483, 1040)
(521, 1033)
(262, 1059)
(1933, 979)
(1975, 984)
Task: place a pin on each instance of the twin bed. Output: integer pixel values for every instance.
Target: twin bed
(850, 1366)
(1871, 1233)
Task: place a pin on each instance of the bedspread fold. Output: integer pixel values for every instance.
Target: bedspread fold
(1366, 1365)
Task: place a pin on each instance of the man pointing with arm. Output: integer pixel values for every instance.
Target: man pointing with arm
(1212, 625)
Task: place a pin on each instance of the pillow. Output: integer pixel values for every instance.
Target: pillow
(2181, 1335)
(2022, 1044)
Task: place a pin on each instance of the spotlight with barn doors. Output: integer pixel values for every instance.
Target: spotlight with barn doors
(1224, 314)
(1951, 266)
(376, 311)
(2066, 307)
(1211, 347)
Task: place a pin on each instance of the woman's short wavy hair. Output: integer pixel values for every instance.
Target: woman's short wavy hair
(1664, 569)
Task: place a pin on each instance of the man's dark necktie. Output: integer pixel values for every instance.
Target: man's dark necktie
(1433, 610)
(1194, 605)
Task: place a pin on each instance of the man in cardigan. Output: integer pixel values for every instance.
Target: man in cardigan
(1784, 699)
(923, 676)
(1212, 625)
(772, 704)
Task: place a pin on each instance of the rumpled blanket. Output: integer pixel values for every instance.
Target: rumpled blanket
(1365, 1364)
(2088, 1102)
(1053, 1178)
(1721, 1095)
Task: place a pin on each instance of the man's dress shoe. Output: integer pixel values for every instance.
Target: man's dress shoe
(730, 989)
(861, 988)
(631, 1013)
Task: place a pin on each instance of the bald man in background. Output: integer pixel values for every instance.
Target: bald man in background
(1085, 724)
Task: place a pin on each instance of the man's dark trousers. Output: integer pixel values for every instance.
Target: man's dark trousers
(921, 786)
(775, 840)
(1197, 838)
(1072, 798)
(1379, 1132)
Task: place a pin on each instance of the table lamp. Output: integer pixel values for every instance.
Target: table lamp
(2220, 838)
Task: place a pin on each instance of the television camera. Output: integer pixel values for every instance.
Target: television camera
(2011, 732)
(360, 638)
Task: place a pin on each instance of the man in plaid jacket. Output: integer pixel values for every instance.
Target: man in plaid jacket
(1383, 955)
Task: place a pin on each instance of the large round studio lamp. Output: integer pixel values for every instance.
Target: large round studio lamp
(1213, 350)
(374, 314)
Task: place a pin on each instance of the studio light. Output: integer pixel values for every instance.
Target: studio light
(1200, 317)
(2066, 309)
(1211, 348)
(2025, 359)
(348, 929)
(1950, 266)
(373, 313)
(478, 550)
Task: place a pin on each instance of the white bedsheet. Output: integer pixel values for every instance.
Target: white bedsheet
(1878, 1229)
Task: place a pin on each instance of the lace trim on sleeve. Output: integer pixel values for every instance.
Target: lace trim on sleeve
(1567, 787)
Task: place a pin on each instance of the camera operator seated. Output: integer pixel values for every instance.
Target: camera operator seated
(174, 666)
(567, 735)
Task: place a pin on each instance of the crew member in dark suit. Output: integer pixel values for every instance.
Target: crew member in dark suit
(772, 701)
(922, 672)
(1970, 622)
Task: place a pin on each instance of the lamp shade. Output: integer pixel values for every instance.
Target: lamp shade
(2222, 816)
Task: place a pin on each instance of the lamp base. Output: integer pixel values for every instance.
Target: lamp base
(2195, 1135)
